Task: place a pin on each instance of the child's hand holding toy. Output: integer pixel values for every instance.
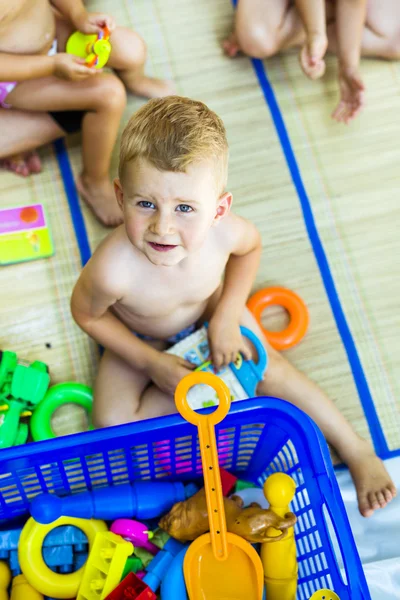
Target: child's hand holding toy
(226, 341)
(71, 68)
(167, 371)
(93, 22)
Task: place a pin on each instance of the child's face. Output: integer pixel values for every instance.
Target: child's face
(168, 215)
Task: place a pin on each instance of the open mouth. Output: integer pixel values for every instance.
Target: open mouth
(161, 247)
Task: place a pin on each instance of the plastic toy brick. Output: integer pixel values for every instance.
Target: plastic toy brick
(104, 566)
(132, 588)
(228, 481)
(133, 565)
(65, 549)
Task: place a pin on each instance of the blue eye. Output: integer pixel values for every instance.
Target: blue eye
(184, 208)
(146, 204)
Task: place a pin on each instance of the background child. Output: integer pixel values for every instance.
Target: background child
(158, 276)
(354, 27)
(34, 76)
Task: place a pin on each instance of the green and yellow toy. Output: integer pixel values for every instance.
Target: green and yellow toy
(94, 48)
(22, 387)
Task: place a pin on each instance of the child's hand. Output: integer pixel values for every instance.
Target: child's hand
(94, 22)
(168, 370)
(226, 341)
(72, 68)
(312, 56)
(351, 95)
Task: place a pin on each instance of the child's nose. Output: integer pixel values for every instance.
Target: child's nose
(163, 225)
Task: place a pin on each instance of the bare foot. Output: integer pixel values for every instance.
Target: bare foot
(100, 198)
(312, 56)
(231, 46)
(22, 164)
(373, 483)
(33, 161)
(149, 87)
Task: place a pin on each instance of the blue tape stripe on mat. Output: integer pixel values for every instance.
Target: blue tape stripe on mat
(364, 392)
(75, 209)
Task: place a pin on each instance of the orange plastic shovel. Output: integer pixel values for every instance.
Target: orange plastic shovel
(218, 565)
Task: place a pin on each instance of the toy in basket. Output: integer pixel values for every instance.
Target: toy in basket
(24, 234)
(241, 377)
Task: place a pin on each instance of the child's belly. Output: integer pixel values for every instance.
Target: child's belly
(160, 326)
(27, 28)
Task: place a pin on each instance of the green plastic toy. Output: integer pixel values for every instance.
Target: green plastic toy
(22, 387)
(58, 395)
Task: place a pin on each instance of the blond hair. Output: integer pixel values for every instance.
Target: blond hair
(174, 132)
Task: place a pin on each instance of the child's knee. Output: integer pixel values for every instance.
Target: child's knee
(110, 93)
(257, 41)
(129, 48)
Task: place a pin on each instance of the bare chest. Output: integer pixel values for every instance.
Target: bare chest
(26, 26)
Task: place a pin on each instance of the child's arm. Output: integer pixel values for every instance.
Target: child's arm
(94, 293)
(21, 67)
(76, 12)
(312, 15)
(224, 333)
(350, 21)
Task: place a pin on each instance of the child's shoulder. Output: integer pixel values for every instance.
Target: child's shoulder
(233, 227)
(113, 256)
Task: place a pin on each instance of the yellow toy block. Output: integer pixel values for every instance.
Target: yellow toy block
(104, 566)
(5, 578)
(22, 590)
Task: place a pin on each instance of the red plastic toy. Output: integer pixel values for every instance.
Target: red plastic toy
(132, 588)
(228, 481)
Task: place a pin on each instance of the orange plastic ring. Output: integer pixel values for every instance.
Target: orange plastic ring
(298, 313)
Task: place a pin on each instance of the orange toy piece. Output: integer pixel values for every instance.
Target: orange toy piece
(279, 559)
(298, 313)
(217, 564)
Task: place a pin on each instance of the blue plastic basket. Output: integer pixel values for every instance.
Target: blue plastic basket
(259, 437)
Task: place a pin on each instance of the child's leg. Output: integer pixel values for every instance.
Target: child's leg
(264, 27)
(120, 393)
(103, 97)
(373, 484)
(22, 132)
(381, 37)
(128, 57)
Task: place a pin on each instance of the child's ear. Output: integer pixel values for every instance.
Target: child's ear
(119, 194)
(223, 206)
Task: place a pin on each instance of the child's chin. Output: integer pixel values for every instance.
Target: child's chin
(167, 259)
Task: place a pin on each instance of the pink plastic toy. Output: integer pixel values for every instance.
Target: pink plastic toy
(135, 532)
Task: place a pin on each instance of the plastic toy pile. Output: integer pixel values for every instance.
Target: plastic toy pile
(90, 546)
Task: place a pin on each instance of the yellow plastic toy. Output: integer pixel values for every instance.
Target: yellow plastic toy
(217, 564)
(104, 566)
(94, 48)
(279, 559)
(324, 595)
(5, 578)
(22, 590)
(34, 568)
